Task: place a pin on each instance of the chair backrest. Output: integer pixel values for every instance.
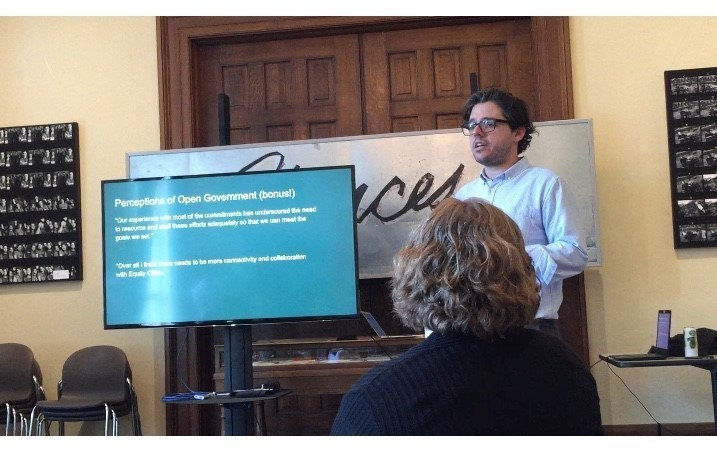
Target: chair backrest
(96, 372)
(17, 368)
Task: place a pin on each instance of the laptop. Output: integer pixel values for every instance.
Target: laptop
(662, 342)
(373, 322)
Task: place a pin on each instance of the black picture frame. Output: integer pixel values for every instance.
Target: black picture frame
(40, 222)
(691, 99)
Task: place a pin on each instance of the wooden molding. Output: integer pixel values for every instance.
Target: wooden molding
(551, 45)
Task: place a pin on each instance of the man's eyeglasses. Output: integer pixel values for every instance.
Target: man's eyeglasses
(487, 124)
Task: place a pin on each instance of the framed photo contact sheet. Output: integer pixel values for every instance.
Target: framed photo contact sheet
(691, 97)
(40, 227)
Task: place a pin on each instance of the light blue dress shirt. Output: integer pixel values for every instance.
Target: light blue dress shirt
(544, 208)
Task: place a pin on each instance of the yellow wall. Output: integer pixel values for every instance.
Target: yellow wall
(618, 75)
(102, 73)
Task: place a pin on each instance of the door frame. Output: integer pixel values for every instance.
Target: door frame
(177, 41)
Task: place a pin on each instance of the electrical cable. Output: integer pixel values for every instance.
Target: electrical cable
(190, 394)
(265, 389)
(660, 426)
(366, 327)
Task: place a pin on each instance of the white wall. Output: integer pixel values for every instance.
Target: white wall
(618, 76)
(102, 73)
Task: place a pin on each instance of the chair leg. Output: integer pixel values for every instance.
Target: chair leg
(45, 425)
(107, 417)
(61, 427)
(7, 419)
(32, 421)
(135, 422)
(136, 425)
(134, 410)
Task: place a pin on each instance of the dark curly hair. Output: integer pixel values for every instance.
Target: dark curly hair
(514, 109)
(465, 268)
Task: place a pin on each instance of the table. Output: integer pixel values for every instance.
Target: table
(229, 401)
(708, 363)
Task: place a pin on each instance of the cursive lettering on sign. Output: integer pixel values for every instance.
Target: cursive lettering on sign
(419, 198)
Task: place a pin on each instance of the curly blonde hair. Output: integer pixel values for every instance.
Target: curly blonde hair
(465, 268)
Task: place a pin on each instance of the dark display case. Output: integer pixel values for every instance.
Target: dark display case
(40, 226)
(691, 97)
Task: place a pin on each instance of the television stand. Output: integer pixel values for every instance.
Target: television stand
(238, 375)
(230, 403)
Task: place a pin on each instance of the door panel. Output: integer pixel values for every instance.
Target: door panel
(419, 79)
(281, 90)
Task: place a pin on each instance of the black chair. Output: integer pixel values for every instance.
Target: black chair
(20, 386)
(96, 385)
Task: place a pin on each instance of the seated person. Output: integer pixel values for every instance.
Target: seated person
(464, 274)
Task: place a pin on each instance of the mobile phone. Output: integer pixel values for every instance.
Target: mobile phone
(664, 320)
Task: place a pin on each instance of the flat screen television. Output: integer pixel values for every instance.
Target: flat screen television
(230, 249)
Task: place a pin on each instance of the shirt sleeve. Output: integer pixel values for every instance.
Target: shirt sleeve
(564, 254)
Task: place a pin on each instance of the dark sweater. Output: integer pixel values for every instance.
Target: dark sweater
(529, 383)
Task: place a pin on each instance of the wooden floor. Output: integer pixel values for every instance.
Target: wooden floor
(691, 429)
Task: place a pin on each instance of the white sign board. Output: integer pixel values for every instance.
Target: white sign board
(398, 175)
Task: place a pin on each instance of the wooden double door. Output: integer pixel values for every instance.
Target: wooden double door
(307, 78)
(359, 83)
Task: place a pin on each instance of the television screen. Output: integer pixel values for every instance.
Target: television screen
(222, 249)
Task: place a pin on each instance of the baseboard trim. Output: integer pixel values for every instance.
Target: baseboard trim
(666, 429)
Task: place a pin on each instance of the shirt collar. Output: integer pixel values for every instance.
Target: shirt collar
(521, 165)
